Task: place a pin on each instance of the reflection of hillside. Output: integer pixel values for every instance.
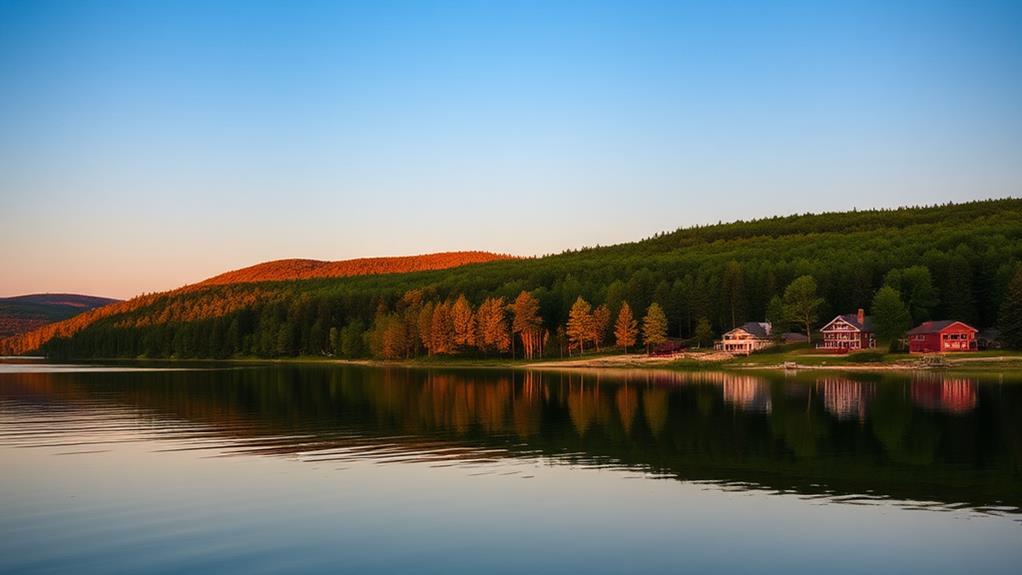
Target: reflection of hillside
(784, 434)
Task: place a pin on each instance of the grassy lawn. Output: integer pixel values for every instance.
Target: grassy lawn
(803, 354)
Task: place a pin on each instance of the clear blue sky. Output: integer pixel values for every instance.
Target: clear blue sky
(144, 145)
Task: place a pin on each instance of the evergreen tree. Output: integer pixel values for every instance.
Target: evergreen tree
(352, 339)
(335, 341)
(654, 326)
(626, 329)
(733, 284)
(1010, 316)
(527, 323)
(426, 326)
(777, 318)
(959, 303)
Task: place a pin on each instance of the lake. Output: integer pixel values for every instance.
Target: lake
(322, 468)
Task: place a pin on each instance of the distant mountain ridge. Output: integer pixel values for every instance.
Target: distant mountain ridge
(302, 269)
(24, 313)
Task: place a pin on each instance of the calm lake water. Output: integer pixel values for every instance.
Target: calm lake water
(347, 469)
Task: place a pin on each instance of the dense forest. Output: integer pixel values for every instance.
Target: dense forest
(24, 313)
(951, 261)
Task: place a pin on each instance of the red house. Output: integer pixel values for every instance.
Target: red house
(942, 336)
(848, 332)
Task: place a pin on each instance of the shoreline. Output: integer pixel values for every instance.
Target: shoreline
(684, 361)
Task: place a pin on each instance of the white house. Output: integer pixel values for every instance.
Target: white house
(746, 338)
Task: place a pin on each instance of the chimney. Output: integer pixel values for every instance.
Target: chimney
(861, 317)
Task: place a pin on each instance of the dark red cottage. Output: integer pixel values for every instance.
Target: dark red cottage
(942, 336)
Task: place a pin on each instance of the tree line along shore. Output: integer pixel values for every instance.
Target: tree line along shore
(955, 261)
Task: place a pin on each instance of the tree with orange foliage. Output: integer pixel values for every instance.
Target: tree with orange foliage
(464, 322)
(626, 330)
(580, 324)
(442, 329)
(425, 326)
(527, 323)
(492, 323)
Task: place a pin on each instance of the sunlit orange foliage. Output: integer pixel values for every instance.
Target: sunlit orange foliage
(218, 304)
(295, 269)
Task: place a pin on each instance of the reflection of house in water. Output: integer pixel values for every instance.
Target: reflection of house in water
(845, 398)
(748, 393)
(951, 395)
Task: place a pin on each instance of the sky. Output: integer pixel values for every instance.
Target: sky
(146, 145)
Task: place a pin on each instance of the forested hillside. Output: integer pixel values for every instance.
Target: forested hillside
(950, 261)
(298, 269)
(21, 314)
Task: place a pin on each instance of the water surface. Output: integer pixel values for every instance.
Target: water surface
(349, 469)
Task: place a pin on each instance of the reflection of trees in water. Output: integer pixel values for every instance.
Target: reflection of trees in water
(654, 407)
(627, 401)
(867, 432)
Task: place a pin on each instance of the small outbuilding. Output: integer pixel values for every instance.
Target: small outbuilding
(942, 336)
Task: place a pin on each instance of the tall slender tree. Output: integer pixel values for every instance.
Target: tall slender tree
(626, 329)
(494, 334)
(464, 322)
(527, 323)
(580, 324)
(1009, 319)
(601, 321)
(441, 329)
(654, 326)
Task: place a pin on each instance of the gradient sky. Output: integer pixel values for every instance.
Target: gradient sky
(145, 145)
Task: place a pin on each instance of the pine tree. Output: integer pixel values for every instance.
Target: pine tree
(580, 324)
(601, 321)
(527, 323)
(776, 317)
(959, 302)
(464, 323)
(1009, 320)
(734, 290)
(493, 332)
(426, 326)
(654, 326)
(441, 329)
(626, 329)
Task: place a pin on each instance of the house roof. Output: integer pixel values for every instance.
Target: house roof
(754, 328)
(937, 326)
(853, 320)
